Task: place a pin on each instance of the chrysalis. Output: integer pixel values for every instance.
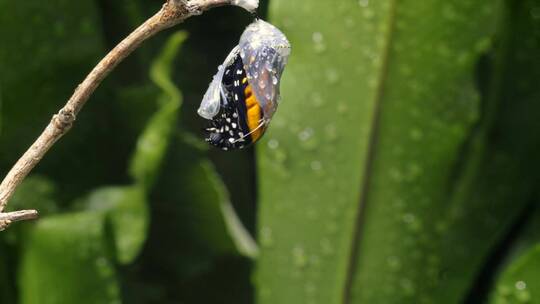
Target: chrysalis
(250, 5)
(244, 94)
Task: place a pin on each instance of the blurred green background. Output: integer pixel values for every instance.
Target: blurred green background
(401, 167)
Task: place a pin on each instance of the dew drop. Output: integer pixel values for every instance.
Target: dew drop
(449, 12)
(407, 286)
(306, 134)
(332, 76)
(412, 222)
(350, 22)
(316, 165)
(416, 134)
(280, 156)
(331, 132)
(414, 170)
(103, 267)
(363, 3)
(265, 291)
(332, 227)
(317, 99)
(523, 296)
(535, 12)
(504, 290)
(312, 214)
(273, 144)
(394, 263)
(342, 108)
(262, 84)
(310, 288)
(396, 174)
(441, 227)
(268, 66)
(318, 40)
(521, 285)
(368, 13)
(317, 37)
(326, 247)
(299, 257)
(266, 237)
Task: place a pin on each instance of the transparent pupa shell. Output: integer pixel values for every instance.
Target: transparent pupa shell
(264, 50)
(212, 98)
(250, 5)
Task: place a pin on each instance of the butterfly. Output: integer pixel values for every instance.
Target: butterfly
(244, 94)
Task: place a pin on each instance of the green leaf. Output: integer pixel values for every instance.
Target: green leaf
(126, 207)
(520, 282)
(197, 203)
(66, 260)
(241, 238)
(153, 143)
(381, 178)
(197, 240)
(127, 210)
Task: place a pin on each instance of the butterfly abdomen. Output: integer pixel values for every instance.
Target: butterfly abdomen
(254, 114)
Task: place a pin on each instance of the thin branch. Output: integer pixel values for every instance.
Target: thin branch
(10, 217)
(172, 13)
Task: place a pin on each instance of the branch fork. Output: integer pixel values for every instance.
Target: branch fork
(172, 13)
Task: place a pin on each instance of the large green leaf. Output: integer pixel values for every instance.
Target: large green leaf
(219, 227)
(153, 143)
(519, 280)
(66, 260)
(383, 178)
(197, 236)
(127, 210)
(81, 236)
(127, 206)
(192, 198)
(520, 283)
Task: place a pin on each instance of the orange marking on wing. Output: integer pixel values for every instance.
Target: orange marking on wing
(254, 115)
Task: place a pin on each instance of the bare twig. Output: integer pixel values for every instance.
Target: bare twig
(10, 217)
(172, 13)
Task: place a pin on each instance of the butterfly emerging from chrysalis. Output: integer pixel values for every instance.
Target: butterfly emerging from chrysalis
(244, 94)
